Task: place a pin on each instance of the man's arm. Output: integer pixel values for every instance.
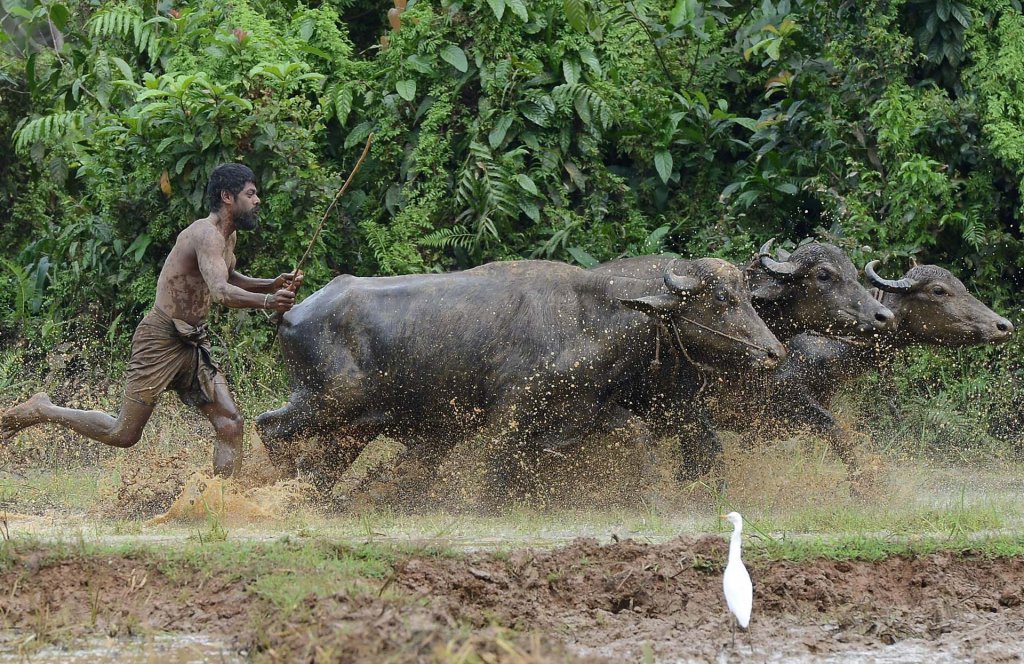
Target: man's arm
(254, 285)
(210, 255)
(251, 284)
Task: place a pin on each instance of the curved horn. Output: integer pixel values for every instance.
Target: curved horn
(889, 286)
(786, 269)
(679, 284)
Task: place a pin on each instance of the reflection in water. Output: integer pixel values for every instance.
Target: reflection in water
(165, 649)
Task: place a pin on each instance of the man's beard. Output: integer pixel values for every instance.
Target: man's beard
(248, 220)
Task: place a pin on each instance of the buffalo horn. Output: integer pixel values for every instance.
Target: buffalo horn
(679, 284)
(786, 269)
(888, 285)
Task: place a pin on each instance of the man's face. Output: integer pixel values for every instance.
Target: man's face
(246, 208)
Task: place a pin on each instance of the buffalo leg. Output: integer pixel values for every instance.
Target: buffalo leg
(623, 422)
(823, 423)
(279, 428)
(332, 454)
(700, 448)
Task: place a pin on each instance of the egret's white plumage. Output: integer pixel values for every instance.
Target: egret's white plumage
(739, 592)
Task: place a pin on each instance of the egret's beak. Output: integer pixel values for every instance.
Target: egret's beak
(723, 517)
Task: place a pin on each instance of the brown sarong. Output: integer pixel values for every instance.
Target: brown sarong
(169, 353)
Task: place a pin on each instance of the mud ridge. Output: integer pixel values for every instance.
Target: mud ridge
(582, 602)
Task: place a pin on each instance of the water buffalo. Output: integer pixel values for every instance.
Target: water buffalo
(814, 288)
(931, 307)
(525, 355)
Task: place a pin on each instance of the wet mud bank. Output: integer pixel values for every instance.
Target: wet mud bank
(625, 601)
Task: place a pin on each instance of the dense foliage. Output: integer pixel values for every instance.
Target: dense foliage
(578, 130)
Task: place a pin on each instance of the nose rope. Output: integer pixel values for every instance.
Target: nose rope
(700, 367)
(718, 332)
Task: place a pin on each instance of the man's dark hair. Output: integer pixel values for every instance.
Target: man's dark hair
(227, 177)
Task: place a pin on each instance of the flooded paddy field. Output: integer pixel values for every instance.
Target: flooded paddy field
(138, 556)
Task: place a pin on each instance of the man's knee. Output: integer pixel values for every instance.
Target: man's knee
(230, 427)
(125, 438)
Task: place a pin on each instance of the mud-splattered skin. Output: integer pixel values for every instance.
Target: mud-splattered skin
(181, 290)
(935, 309)
(201, 270)
(814, 288)
(531, 354)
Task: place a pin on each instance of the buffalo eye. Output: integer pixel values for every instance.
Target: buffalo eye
(824, 276)
(939, 290)
(721, 296)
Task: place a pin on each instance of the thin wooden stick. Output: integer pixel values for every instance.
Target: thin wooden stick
(341, 192)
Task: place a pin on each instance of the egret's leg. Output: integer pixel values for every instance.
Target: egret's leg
(734, 634)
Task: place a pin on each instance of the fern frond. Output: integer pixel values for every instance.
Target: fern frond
(126, 23)
(48, 129)
(456, 236)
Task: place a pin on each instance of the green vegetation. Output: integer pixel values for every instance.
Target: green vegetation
(576, 130)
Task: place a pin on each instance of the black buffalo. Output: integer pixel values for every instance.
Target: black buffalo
(526, 355)
(931, 306)
(814, 288)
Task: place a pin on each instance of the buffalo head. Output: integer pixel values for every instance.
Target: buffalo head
(932, 306)
(815, 288)
(708, 306)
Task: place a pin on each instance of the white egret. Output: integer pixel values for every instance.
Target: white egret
(739, 592)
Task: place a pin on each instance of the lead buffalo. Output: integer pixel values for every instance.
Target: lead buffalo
(532, 354)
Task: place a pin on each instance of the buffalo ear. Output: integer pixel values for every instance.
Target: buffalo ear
(659, 306)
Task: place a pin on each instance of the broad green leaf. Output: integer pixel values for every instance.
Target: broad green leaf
(59, 14)
(576, 14)
(576, 175)
(582, 257)
(498, 7)
(571, 71)
(420, 63)
(962, 14)
(343, 104)
(527, 184)
(663, 163)
(519, 9)
(534, 112)
(787, 188)
(123, 67)
(455, 56)
(683, 12)
(589, 58)
(530, 209)
(358, 134)
(497, 134)
(406, 89)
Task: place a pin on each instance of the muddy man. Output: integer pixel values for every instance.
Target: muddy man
(170, 348)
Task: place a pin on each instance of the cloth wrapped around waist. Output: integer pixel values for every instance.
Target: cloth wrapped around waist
(169, 353)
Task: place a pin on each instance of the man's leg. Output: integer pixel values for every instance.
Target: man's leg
(122, 431)
(227, 422)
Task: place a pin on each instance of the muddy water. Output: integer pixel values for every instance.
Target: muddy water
(165, 649)
(605, 599)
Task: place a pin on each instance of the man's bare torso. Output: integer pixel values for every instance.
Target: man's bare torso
(181, 290)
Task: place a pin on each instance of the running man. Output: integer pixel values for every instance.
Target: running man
(170, 348)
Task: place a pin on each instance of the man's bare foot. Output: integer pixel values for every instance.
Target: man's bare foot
(23, 415)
